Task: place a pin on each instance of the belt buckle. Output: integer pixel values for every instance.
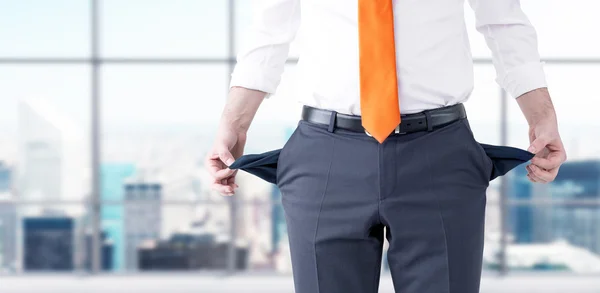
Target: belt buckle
(397, 130)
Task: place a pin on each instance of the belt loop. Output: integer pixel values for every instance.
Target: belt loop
(331, 126)
(428, 121)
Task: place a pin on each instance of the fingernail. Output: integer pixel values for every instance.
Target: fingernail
(229, 162)
(531, 149)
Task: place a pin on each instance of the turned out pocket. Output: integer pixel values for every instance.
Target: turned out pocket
(262, 165)
(504, 158)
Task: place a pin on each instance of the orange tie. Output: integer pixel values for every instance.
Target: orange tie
(378, 82)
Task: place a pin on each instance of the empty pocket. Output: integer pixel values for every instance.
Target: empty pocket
(505, 158)
(262, 165)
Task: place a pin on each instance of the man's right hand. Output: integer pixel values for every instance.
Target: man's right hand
(228, 146)
(238, 113)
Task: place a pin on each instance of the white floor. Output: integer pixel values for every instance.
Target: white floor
(162, 283)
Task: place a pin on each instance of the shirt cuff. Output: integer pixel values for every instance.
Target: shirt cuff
(255, 78)
(523, 79)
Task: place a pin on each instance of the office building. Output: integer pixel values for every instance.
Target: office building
(189, 252)
(577, 223)
(278, 228)
(143, 216)
(106, 253)
(574, 223)
(8, 226)
(5, 177)
(112, 189)
(51, 158)
(521, 216)
(48, 244)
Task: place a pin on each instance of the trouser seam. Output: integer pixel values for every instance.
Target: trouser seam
(430, 178)
(319, 215)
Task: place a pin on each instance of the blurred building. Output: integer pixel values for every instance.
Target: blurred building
(143, 217)
(8, 226)
(575, 223)
(51, 162)
(106, 253)
(189, 252)
(521, 216)
(279, 227)
(48, 244)
(552, 256)
(5, 177)
(112, 189)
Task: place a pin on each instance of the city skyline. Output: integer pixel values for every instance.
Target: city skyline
(160, 118)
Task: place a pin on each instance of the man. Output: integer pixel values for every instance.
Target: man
(383, 141)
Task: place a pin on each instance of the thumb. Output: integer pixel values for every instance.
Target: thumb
(226, 157)
(538, 144)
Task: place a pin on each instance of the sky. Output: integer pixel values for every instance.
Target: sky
(151, 95)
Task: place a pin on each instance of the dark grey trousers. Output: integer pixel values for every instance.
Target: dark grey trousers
(340, 189)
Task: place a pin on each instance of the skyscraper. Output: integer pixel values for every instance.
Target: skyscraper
(8, 226)
(106, 255)
(278, 229)
(52, 163)
(5, 177)
(112, 189)
(48, 244)
(143, 219)
(521, 216)
(577, 224)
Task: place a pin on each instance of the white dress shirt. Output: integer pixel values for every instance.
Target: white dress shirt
(433, 54)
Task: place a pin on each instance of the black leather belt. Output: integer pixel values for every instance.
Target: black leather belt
(422, 121)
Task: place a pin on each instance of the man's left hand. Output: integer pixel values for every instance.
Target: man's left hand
(548, 149)
(543, 135)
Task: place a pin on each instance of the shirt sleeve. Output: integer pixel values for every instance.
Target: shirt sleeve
(262, 57)
(513, 42)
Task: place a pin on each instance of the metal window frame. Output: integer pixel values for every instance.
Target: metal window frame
(96, 61)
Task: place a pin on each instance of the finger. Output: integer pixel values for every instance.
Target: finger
(532, 175)
(532, 178)
(538, 144)
(227, 182)
(224, 174)
(226, 157)
(553, 161)
(544, 175)
(223, 189)
(214, 165)
(231, 181)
